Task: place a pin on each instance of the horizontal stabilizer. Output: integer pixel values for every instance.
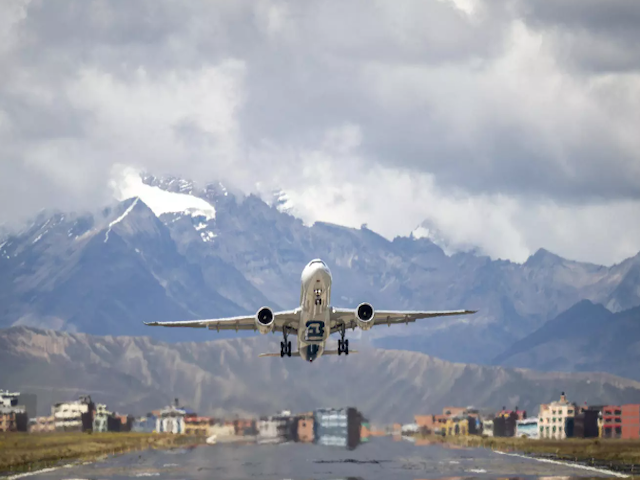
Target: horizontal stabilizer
(293, 354)
(297, 354)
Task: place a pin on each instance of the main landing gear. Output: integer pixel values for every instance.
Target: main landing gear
(343, 344)
(285, 346)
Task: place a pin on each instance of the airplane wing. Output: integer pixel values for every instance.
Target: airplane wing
(387, 317)
(289, 318)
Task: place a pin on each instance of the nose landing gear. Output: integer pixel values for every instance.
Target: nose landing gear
(343, 344)
(285, 346)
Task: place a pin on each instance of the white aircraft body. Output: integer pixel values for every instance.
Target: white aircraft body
(314, 320)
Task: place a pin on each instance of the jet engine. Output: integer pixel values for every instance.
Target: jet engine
(265, 320)
(364, 316)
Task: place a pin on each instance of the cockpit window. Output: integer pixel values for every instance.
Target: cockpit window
(317, 261)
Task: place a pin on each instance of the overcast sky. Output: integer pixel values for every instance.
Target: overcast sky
(505, 125)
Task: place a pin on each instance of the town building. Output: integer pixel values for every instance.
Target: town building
(13, 417)
(267, 430)
(8, 399)
(144, 424)
(435, 424)
(75, 416)
(611, 425)
(431, 424)
(456, 426)
(630, 421)
(616, 421)
(337, 427)
(27, 401)
(527, 427)
(246, 426)
(198, 426)
(42, 424)
(556, 418)
(487, 427)
(505, 422)
(125, 422)
(104, 420)
(305, 428)
(221, 430)
(171, 419)
(282, 427)
(586, 422)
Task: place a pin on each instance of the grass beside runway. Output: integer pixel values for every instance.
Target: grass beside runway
(619, 455)
(31, 451)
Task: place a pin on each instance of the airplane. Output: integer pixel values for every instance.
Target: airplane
(314, 320)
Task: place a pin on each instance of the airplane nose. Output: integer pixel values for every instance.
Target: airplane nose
(315, 269)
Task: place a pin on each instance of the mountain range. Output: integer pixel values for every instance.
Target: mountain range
(225, 377)
(178, 251)
(587, 337)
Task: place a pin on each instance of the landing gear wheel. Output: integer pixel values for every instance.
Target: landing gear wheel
(285, 349)
(285, 345)
(343, 344)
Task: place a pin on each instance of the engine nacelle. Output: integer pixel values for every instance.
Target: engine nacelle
(265, 320)
(364, 316)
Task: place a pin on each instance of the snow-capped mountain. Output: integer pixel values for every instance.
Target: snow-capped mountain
(283, 202)
(176, 250)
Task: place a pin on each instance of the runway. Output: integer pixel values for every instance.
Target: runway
(380, 458)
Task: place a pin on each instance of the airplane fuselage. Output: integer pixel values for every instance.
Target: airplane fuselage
(315, 300)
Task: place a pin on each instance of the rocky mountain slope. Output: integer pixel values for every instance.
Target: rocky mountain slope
(137, 374)
(586, 337)
(142, 260)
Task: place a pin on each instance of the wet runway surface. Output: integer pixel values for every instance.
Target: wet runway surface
(378, 459)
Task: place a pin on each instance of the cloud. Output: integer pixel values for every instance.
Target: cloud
(595, 35)
(389, 201)
(500, 123)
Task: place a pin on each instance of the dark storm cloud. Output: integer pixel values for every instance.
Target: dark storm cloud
(510, 158)
(595, 35)
(611, 16)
